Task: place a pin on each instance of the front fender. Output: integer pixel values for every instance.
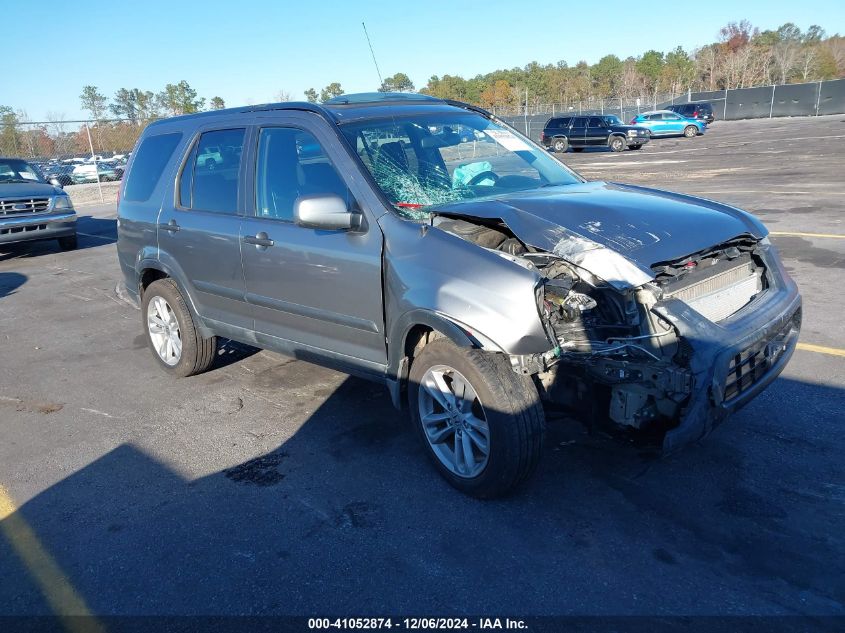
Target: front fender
(466, 291)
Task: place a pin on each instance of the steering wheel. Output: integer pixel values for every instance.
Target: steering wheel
(484, 175)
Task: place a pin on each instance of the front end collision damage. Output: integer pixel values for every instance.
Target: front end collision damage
(591, 326)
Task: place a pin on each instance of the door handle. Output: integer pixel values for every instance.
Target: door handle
(171, 226)
(261, 240)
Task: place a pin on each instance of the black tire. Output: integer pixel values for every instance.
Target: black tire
(690, 131)
(68, 243)
(560, 145)
(616, 144)
(577, 149)
(197, 352)
(512, 409)
(635, 147)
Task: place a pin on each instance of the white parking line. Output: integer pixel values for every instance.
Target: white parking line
(98, 237)
(632, 164)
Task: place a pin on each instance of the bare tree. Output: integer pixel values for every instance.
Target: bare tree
(59, 132)
(282, 96)
(807, 62)
(785, 56)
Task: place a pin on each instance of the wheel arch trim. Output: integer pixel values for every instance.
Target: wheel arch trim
(398, 362)
(174, 272)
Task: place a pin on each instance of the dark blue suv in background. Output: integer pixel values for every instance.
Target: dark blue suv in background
(598, 130)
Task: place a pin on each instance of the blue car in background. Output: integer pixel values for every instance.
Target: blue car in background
(668, 123)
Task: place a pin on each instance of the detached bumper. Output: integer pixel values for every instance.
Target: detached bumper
(37, 226)
(735, 360)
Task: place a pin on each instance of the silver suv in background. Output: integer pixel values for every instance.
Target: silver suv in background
(426, 245)
(31, 208)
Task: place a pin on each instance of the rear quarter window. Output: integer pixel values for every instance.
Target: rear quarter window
(150, 160)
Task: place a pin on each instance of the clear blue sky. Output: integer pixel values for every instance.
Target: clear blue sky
(247, 51)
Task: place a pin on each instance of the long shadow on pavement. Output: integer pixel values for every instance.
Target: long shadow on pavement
(346, 517)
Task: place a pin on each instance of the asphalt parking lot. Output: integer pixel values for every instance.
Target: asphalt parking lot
(272, 486)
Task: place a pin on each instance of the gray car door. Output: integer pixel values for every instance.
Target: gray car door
(199, 228)
(312, 290)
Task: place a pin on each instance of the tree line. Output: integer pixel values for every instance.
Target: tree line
(742, 56)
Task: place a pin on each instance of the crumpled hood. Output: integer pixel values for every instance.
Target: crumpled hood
(24, 189)
(592, 224)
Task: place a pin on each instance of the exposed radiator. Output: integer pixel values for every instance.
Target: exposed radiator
(721, 295)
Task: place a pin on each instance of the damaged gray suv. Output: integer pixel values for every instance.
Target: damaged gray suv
(426, 245)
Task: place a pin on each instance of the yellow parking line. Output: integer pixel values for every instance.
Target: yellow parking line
(821, 349)
(833, 235)
(59, 593)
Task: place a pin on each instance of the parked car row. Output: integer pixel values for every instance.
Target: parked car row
(76, 171)
(108, 172)
(607, 130)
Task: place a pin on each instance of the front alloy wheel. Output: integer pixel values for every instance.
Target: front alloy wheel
(454, 421)
(480, 422)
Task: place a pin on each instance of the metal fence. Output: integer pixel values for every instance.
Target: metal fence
(64, 140)
(807, 99)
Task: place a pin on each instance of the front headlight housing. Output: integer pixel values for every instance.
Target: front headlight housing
(63, 202)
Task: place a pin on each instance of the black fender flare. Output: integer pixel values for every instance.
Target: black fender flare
(397, 362)
(177, 275)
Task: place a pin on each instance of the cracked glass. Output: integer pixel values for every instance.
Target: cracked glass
(423, 161)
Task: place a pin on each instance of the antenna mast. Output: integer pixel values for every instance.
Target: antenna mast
(378, 72)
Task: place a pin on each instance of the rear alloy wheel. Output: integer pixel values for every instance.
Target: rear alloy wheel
(690, 131)
(617, 143)
(171, 333)
(560, 145)
(481, 423)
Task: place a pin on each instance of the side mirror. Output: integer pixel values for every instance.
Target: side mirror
(325, 211)
(56, 183)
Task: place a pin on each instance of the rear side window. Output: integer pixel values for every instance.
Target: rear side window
(209, 180)
(150, 160)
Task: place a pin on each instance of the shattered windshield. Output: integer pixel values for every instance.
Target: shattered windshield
(427, 160)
